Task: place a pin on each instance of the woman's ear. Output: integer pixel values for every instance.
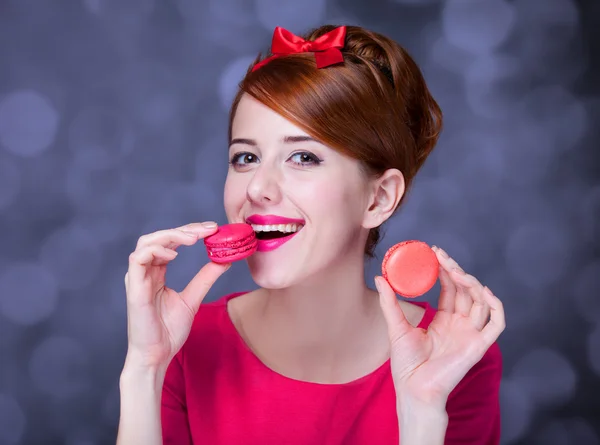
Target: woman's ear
(387, 191)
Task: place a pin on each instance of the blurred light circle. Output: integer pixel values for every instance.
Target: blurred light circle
(487, 85)
(546, 376)
(478, 26)
(294, 16)
(447, 55)
(516, 411)
(10, 182)
(28, 123)
(28, 293)
(12, 421)
(73, 255)
(160, 108)
(539, 253)
(60, 367)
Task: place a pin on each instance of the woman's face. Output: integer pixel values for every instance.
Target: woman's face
(278, 173)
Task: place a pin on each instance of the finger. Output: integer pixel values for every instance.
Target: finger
(462, 300)
(139, 261)
(198, 287)
(150, 255)
(171, 238)
(497, 322)
(396, 322)
(479, 312)
(184, 235)
(448, 288)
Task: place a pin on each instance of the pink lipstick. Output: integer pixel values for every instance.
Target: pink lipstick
(273, 231)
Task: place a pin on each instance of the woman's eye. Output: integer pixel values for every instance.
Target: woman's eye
(243, 158)
(305, 158)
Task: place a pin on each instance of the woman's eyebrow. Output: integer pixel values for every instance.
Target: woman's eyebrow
(286, 140)
(251, 142)
(293, 139)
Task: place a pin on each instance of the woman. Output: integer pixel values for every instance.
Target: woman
(326, 135)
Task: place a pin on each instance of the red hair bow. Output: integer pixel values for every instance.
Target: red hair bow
(326, 48)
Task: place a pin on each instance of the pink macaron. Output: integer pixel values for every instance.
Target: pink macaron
(231, 242)
(411, 268)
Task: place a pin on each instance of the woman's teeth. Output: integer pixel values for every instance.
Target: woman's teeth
(286, 228)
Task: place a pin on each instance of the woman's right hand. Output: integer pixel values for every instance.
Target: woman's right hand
(159, 319)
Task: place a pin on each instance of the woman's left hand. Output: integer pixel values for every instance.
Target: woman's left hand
(428, 364)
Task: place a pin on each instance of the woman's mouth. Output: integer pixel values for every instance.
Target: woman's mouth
(272, 236)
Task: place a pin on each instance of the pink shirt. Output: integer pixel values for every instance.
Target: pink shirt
(217, 392)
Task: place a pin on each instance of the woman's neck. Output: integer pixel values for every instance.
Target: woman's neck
(325, 325)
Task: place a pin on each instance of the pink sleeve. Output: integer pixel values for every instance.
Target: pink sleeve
(474, 407)
(174, 419)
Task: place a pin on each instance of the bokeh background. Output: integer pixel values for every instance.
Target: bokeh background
(113, 123)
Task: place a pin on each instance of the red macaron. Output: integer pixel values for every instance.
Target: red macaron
(411, 268)
(231, 242)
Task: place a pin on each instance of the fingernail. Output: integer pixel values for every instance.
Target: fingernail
(489, 292)
(209, 224)
(443, 252)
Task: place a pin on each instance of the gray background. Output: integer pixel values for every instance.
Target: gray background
(113, 118)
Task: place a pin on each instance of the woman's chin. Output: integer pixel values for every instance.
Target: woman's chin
(270, 277)
(270, 280)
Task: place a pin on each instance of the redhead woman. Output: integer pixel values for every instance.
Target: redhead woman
(326, 136)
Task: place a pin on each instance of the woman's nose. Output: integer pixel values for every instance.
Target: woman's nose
(264, 187)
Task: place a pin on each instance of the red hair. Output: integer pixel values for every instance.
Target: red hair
(375, 107)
